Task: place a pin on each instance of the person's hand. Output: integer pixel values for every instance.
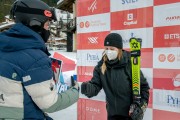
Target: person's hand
(137, 110)
(76, 85)
(84, 88)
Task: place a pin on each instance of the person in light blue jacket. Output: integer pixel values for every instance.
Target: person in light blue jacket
(27, 88)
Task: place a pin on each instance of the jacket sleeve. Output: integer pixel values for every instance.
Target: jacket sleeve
(94, 85)
(144, 89)
(38, 82)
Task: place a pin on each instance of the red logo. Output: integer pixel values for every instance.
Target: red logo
(171, 58)
(81, 24)
(129, 19)
(87, 24)
(47, 13)
(162, 57)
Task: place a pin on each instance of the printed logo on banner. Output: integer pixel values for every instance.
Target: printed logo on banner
(131, 19)
(92, 7)
(121, 5)
(85, 73)
(161, 2)
(89, 57)
(166, 58)
(146, 34)
(168, 36)
(93, 23)
(166, 100)
(134, 18)
(169, 57)
(167, 15)
(93, 40)
(94, 110)
(168, 79)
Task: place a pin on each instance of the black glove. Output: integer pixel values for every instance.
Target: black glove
(137, 110)
(84, 88)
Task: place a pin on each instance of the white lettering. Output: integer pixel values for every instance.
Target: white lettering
(130, 23)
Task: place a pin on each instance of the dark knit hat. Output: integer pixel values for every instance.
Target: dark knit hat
(113, 39)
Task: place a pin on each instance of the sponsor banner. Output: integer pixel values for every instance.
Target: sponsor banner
(119, 5)
(94, 40)
(166, 58)
(90, 7)
(93, 23)
(89, 57)
(148, 74)
(91, 110)
(85, 73)
(161, 2)
(146, 34)
(128, 19)
(168, 36)
(148, 114)
(167, 15)
(165, 115)
(146, 58)
(167, 100)
(168, 79)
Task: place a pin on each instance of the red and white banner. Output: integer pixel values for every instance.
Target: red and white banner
(157, 23)
(93, 40)
(129, 19)
(94, 23)
(166, 100)
(168, 36)
(120, 5)
(166, 58)
(89, 57)
(92, 7)
(167, 15)
(165, 115)
(91, 110)
(84, 73)
(168, 79)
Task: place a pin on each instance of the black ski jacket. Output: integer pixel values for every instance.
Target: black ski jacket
(117, 85)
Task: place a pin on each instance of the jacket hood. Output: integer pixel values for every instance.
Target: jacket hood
(20, 37)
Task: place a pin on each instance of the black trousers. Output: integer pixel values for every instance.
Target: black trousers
(118, 117)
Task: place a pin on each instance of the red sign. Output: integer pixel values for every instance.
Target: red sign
(147, 58)
(168, 79)
(91, 110)
(168, 36)
(135, 18)
(165, 115)
(67, 64)
(160, 2)
(91, 7)
(85, 73)
(94, 40)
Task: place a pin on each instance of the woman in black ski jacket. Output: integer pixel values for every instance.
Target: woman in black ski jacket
(113, 74)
